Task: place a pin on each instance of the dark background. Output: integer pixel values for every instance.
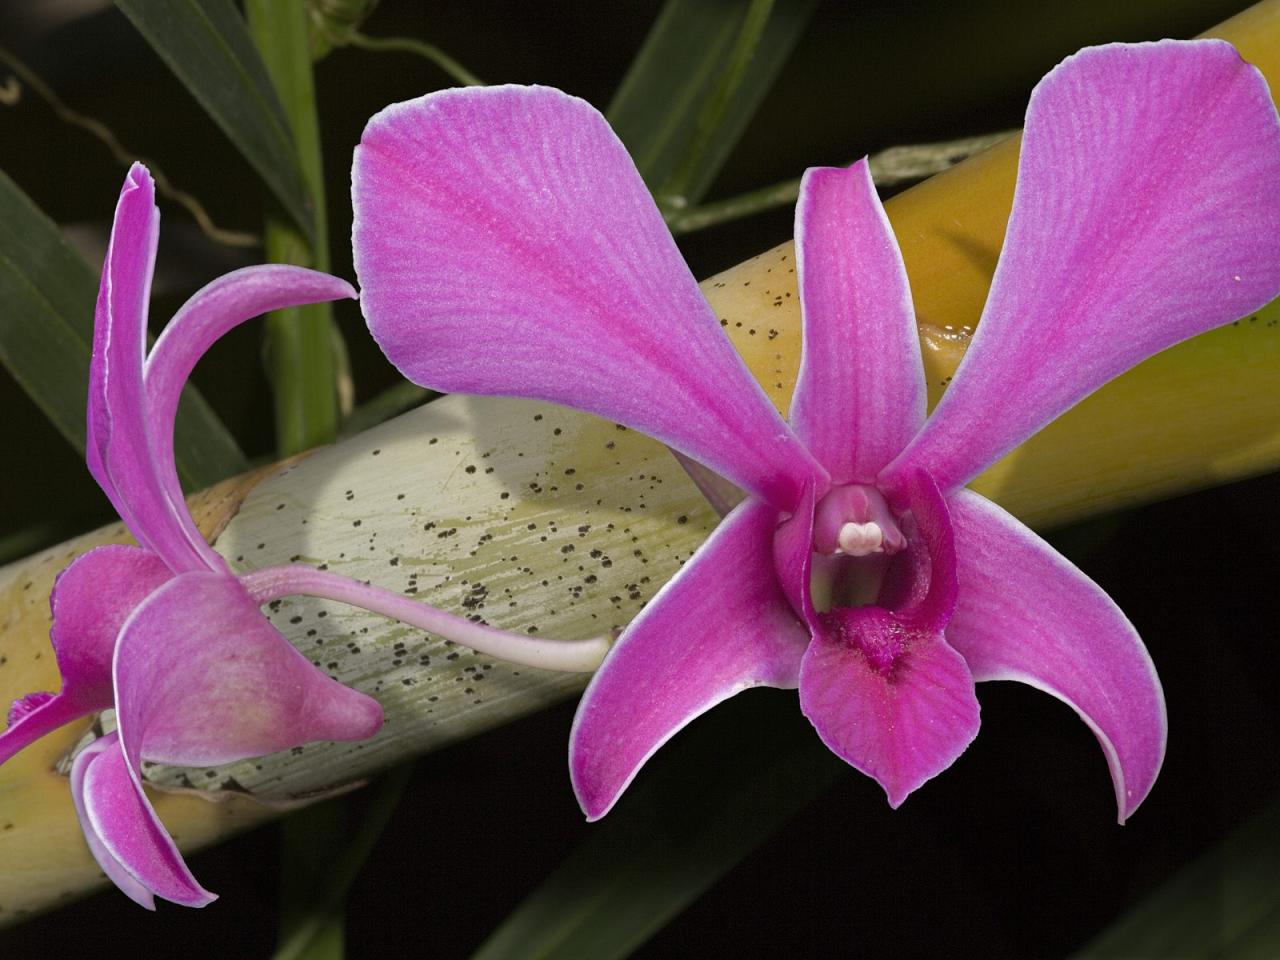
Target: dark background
(1014, 851)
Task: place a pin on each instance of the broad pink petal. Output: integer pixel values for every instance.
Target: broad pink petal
(892, 700)
(860, 394)
(117, 448)
(124, 834)
(211, 312)
(91, 600)
(505, 244)
(1145, 213)
(719, 626)
(202, 678)
(1026, 613)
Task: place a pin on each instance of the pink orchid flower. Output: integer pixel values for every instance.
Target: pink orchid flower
(164, 631)
(506, 245)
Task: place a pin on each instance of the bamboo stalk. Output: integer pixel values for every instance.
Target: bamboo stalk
(537, 517)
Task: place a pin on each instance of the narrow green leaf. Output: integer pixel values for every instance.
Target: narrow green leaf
(1224, 904)
(206, 43)
(691, 57)
(46, 337)
(696, 810)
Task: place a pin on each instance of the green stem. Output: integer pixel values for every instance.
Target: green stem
(409, 45)
(889, 168)
(733, 208)
(300, 355)
(675, 191)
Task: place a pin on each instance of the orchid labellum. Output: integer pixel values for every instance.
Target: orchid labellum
(506, 245)
(164, 631)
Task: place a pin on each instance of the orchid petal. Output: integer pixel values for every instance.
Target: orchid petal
(719, 626)
(124, 834)
(113, 868)
(211, 312)
(901, 723)
(91, 600)
(505, 244)
(1145, 213)
(860, 394)
(1026, 613)
(117, 447)
(202, 678)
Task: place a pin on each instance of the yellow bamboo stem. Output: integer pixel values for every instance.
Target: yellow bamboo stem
(1199, 414)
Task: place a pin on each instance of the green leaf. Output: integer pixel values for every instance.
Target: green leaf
(697, 82)
(1224, 904)
(46, 337)
(206, 43)
(700, 806)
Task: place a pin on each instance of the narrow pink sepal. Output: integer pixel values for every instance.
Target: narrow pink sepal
(202, 678)
(117, 447)
(860, 394)
(1145, 213)
(123, 832)
(720, 626)
(1026, 613)
(212, 311)
(505, 244)
(91, 600)
(901, 723)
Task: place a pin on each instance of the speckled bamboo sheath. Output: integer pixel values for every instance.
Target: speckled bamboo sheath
(534, 517)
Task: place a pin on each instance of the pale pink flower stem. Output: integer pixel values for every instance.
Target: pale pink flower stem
(568, 656)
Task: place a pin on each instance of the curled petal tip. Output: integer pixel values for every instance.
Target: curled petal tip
(347, 715)
(138, 176)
